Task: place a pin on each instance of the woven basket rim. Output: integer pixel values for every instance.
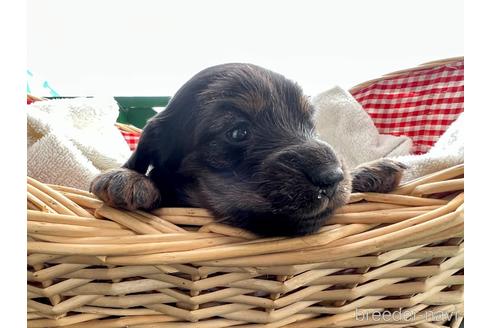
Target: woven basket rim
(427, 65)
(157, 237)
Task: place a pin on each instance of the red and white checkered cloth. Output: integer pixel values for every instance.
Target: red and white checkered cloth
(131, 138)
(419, 104)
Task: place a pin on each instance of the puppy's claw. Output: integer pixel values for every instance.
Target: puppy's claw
(381, 176)
(126, 189)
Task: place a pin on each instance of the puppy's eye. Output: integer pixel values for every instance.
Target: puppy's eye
(238, 134)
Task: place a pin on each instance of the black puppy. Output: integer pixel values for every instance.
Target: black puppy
(239, 140)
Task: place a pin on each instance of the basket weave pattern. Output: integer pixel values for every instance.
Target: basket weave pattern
(90, 265)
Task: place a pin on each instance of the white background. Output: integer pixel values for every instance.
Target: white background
(150, 48)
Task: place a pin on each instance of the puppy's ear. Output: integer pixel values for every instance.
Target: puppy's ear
(166, 137)
(164, 141)
(157, 144)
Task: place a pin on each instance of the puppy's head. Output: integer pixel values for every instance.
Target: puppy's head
(243, 138)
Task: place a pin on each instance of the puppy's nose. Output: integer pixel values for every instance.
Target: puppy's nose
(327, 179)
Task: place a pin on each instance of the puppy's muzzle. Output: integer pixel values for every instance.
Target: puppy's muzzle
(302, 177)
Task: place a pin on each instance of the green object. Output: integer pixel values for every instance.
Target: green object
(138, 110)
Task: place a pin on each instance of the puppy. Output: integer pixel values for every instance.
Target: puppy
(239, 140)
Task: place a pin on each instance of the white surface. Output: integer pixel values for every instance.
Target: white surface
(117, 47)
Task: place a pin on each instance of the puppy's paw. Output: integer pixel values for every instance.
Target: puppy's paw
(126, 189)
(381, 176)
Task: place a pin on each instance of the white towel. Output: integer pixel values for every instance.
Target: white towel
(342, 123)
(448, 151)
(71, 140)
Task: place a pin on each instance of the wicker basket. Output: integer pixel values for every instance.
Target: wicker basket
(94, 266)
(428, 65)
(384, 260)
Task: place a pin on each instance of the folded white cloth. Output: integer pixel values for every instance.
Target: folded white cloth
(342, 123)
(70, 141)
(448, 151)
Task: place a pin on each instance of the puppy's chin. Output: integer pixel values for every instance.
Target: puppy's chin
(315, 204)
(268, 224)
(287, 221)
(310, 218)
(324, 205)
(279, 206)
(306, 211)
